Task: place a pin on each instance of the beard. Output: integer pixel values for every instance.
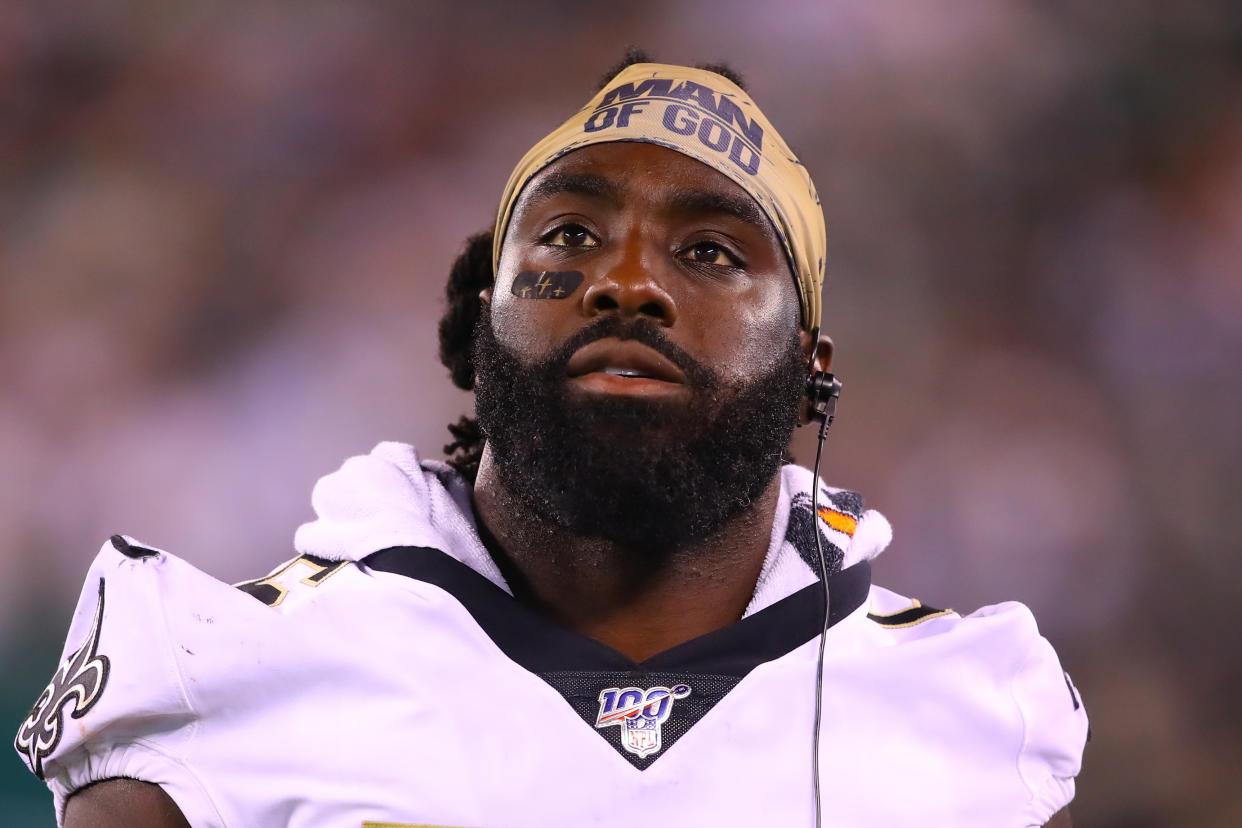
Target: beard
(647, 474)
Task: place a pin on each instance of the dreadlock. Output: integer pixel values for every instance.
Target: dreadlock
(471, 274)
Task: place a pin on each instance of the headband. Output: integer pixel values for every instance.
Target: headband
(709, 118)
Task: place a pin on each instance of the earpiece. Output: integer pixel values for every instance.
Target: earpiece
(822, 390)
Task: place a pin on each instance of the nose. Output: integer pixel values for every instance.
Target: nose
(628, 287)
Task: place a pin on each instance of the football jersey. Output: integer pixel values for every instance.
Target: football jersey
(387, 676)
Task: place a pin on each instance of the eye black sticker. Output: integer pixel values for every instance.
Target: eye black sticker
(546, 284)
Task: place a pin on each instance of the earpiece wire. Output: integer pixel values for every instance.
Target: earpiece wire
(823, 576)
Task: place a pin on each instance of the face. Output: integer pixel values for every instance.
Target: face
(658, 237)
(653, 398)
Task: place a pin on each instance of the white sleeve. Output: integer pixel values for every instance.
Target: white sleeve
(116, 706)
(1054, 732)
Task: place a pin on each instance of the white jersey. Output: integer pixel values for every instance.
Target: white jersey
(390, 678)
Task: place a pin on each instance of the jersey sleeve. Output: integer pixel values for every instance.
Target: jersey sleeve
(1055, 731)
(117, 705)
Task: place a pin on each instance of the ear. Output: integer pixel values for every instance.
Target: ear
(823, 354)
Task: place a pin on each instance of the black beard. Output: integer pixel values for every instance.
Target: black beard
(645, 474)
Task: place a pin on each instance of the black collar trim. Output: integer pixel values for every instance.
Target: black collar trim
(543, 646)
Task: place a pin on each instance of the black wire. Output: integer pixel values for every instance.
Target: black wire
(823, 634)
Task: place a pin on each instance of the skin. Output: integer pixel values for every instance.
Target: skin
(659, 236)
(115, 803)
(719, 285)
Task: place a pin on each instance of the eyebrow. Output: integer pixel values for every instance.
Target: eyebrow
(580, 183)
(698, 202)
(706, 201)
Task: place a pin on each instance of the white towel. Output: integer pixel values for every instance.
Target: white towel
(392, 498)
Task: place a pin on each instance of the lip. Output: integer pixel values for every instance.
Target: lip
(593, 364)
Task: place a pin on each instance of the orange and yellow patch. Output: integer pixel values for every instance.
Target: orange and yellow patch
(838, 520)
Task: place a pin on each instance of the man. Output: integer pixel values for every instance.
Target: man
(607, 608)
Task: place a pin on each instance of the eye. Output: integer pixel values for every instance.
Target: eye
(712, 253)
(570, 235)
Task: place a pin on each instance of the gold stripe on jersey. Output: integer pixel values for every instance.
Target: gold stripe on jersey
(912, 615)
(272, 592)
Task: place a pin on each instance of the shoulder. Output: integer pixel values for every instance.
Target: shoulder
(160, 656)
(166, 669)
(120, 680)
(996, 671)
(1000, 644)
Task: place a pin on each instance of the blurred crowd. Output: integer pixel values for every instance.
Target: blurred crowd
(225, 230)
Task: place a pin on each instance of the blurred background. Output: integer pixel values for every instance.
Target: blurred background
(225, 230)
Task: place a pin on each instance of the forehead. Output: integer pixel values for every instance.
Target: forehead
(623, 172)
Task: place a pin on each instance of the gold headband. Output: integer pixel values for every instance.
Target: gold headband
(710, 119)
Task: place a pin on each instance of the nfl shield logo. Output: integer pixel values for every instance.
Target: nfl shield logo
(639, 714)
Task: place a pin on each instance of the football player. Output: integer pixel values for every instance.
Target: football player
(617, 602)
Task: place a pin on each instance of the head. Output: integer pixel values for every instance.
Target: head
(640, 354)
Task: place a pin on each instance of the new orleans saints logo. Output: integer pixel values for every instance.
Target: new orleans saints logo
(80, 680)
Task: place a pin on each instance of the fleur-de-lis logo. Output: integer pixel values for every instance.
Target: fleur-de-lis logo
(80, 680)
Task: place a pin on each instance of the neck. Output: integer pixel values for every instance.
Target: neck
(636, 602)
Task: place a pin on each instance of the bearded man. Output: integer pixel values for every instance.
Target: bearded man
(616, 601)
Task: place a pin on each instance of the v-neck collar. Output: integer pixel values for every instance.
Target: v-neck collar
(542, 645)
